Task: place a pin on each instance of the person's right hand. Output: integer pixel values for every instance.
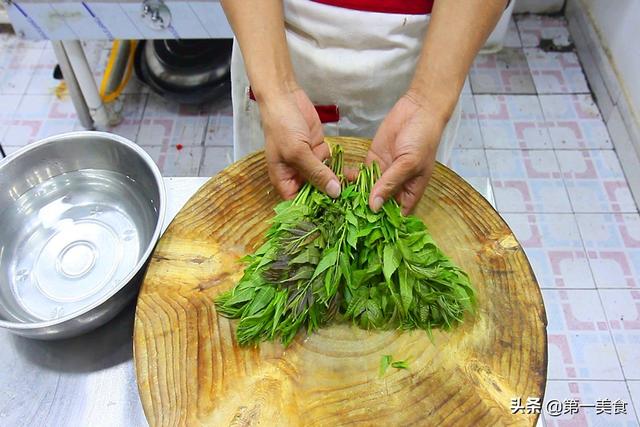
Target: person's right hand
(294, 145)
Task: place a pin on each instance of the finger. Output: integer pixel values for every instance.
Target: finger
(286, 185)
(321, 151)
(373, 157)
(412, 193)
(350, 173)
(382, 138)
(390, 182)
(316, 172)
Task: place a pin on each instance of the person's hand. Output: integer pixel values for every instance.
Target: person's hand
(405, 147)
(294, 145)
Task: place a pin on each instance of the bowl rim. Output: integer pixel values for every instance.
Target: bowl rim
(162, 205)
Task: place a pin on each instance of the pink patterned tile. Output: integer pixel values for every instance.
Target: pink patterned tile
(170, 124)
(588, 404)
(580, 344)
(612, 242)
(527, 181)
(39, 116)
(466, 89)
(556, 72)
(554, 248)
(216, 159)
(595, 181)
(220, 126)
(469, 135)
(503, 72)
(7, 109)
(469, 163)
(512, 38)
(622, 308)
(533, 28)
(511, 121)
(42, 81)
(176, 162)
(574, 121)
(132, 107)
(18, 65)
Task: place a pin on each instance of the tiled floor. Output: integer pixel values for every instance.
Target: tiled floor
(183, 140)
(530, 127)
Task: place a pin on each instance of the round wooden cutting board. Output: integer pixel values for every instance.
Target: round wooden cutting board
(190, 370)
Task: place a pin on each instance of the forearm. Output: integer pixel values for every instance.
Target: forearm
(456, 32)
(259, 28)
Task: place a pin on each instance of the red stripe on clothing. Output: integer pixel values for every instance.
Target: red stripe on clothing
(405, 7)
(326, 113)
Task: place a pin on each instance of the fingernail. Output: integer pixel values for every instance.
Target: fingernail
(377, 203)
(333, 188)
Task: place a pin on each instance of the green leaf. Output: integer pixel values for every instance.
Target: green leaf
(311, 255)
(325, 257)
(407, 282)
(352, 236)
(329, 258)
(390, 260)
(345, 268)
(351, 218)
(400, 364)
(366, 230)
(392, 211)
(385, 362)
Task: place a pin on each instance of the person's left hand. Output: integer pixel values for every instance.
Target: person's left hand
(405, 147)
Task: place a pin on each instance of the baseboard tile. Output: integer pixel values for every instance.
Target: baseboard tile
(627, 153)
(623, 128)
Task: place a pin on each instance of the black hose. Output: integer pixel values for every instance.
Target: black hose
(2, 153)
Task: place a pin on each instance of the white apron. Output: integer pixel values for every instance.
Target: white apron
(362, 62)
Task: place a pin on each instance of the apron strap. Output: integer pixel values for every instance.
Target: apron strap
(327, 113)
(404, 7)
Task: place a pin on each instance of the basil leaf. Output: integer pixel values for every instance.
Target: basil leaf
(385, 362)
(329, 259)
(390, 261)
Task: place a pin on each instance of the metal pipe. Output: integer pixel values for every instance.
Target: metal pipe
(85, 79)
(79, 103)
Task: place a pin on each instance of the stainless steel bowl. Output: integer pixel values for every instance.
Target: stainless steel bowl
(80, 214)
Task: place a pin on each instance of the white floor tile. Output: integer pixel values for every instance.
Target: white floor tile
(512, 121)
(554, 248)
(560, 396)
(622, 308)
(216, 159)
(580, 344)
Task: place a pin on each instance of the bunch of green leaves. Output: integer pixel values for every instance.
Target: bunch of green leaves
(292, 280)
(400, 278)
(325, 257)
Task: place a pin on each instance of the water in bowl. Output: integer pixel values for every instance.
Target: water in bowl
(69, 241)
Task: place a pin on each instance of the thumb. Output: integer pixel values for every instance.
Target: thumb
(389, 183)
(317, 173)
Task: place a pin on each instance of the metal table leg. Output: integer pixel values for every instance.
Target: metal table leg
(70, 79)
(86, 81)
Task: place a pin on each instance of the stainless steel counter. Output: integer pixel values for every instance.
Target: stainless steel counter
(87, 380)
(84, 381)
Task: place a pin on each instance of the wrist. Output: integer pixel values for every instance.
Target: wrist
(268, 91)
(436, 111)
